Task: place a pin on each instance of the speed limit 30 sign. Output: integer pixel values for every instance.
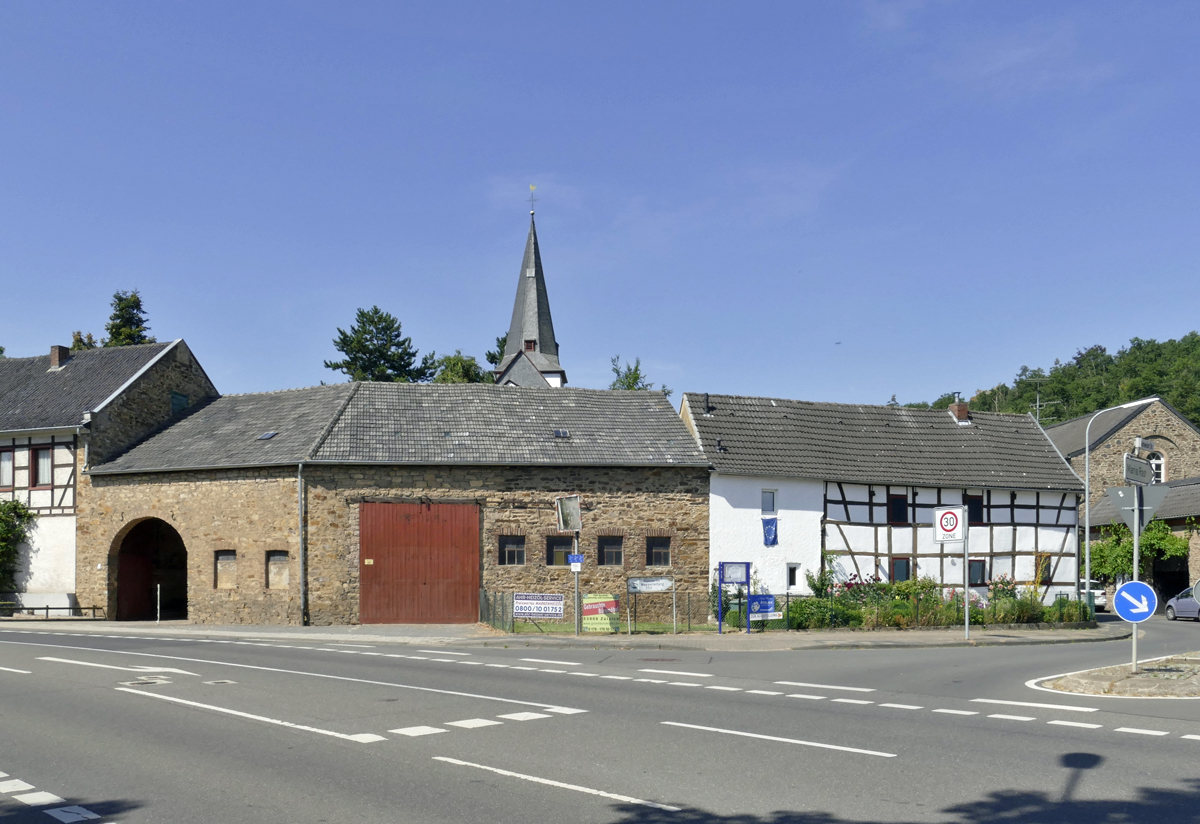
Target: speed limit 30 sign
(949, 524)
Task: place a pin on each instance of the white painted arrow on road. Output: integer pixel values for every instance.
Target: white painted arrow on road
(122, 669)
(1138, 606)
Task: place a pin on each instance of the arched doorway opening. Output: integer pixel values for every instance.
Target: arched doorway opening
(152, 555)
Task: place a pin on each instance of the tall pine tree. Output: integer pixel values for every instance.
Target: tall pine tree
(375, 350)
(127, 325)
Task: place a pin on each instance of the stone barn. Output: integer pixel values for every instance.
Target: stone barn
(392, 503)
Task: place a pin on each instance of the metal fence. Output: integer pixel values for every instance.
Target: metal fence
(11, 609)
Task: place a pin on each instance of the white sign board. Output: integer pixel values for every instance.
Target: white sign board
(537, 605)
(651, 584)
(949, 524)
(568, 508)
(766, 616)
(576, 567)
(1138, 471)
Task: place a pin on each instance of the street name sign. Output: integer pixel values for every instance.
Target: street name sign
(949, 524)
(1135, 601)
(1138, 471)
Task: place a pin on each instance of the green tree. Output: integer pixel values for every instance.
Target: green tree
(81, 341)
(127, 324)
(15, 522)
(494, 356)
(1, 351)
(1112, 555)
(375, 350)
(631, 376)
(460, 368)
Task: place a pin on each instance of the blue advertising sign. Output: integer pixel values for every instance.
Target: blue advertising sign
(1135, 601)
(574, 559)
(762, 603)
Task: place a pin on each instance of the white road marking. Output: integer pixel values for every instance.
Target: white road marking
(1075, 724)
(67, 815)
(724, 689)
(524, 716)
(39, 799)
(471, 663)
(122, 669)
(767, 692)
(1003, 717)
(361, 738)
(414, 732)
(851, 701)
(902, 706)
(783, 740)
(361, 646)
(559, 672)
(548, 661)
(564, 710)
(473, 723)
(582, 674)
(526, 669)
(650, 680)
(679, 672)
(372, 653)
(1067, 707)
(618, 677)
(14, 785)
(501, 666)
(1137, 731)
(627, 799)
(22, 672)
(1192, 737)
(682, 684)
(824, 686)
(957, 712)
(552, 708)
(440, 660)
(415, 657)
(810, 697)
(442, 652)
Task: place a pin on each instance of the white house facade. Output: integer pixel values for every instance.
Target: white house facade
(798, 487)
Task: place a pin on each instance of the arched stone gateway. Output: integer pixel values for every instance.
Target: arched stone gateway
(151, 555)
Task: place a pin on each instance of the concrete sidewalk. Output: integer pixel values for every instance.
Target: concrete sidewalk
(481, 635)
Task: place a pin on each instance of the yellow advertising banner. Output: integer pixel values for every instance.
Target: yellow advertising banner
(601, 613)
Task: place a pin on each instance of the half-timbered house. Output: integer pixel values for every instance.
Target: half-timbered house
(58, 413)
(799, 486)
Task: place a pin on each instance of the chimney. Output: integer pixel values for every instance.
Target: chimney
(960, 411)
(59, 355)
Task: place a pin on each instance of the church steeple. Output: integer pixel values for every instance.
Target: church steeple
(530, 356)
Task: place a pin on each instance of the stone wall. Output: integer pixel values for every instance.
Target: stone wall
(147, 403)
(255, 511)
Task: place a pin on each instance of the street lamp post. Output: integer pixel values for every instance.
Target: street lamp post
(1087, 498)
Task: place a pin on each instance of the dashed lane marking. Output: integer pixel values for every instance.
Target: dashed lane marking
(561, 785)
(361, 738)
(1137, 731)
(1075, 724)
(824, 686)
(958, 712)
(723, 689)
(39, 799)
(650, 680)
(851, 701)
(902, 706)
(548, 661)
(782, 740)
(809, 697)
(682, 684)
(10, 669)
(618, 677)
(565, 710)
(500, 666)
(361, 646)
(558, 672)
(679, 672)
(524, 716)
(470, 663)
(415, 732)
(474, 723)
(1067, 707)
(767, 692)
(1003, 717)
(14, 785)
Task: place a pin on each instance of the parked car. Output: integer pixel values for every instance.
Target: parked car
(1183, 605)
(1099, 596)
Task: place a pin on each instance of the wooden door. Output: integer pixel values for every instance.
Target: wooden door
(135, 587)
(418, 563)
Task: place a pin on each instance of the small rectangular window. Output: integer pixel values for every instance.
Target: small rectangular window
(977, 573)
(658, 551)
(1042, 570)
(558, 547)
(179, 402)
(512, 550)
(225, 572)
(974, 509)
(768, 500)
(897, 509)
(278, 576)
(530, 345)
(901, 569)
(609, 551)
(43, 468)
(793, 576)
(6, 469)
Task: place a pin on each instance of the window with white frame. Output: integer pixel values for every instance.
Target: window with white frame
(1159, 464)
(768, 501)
(6, 469)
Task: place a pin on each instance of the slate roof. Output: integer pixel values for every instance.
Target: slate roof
(1068, 436)
(390, 423)
(531, 313)
(876, 444)
(34, 397)
(1182, 501)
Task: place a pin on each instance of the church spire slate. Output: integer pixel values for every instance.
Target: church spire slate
(530, 356)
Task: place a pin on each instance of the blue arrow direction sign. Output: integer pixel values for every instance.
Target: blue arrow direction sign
(1135, 601)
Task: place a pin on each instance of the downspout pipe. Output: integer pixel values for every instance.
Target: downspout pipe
(303, 537)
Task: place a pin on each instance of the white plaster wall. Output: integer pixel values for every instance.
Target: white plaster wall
(736, 534)
(47, 562)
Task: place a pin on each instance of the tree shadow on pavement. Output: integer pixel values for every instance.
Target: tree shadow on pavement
(1150, 804)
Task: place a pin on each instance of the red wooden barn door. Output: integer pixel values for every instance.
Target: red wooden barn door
(418, 563)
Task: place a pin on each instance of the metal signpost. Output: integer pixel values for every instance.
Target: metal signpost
(949, 526)
(1135, 601)
(569, 509)
(730, 572)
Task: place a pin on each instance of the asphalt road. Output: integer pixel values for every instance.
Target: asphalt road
(146, 729)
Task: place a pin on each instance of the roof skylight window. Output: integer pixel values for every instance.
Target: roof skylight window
(562, 433)
(266, 436)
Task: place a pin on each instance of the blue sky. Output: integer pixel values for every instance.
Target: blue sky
(948, 189)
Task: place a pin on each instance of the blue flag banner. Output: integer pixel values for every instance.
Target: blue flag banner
(770, 531)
